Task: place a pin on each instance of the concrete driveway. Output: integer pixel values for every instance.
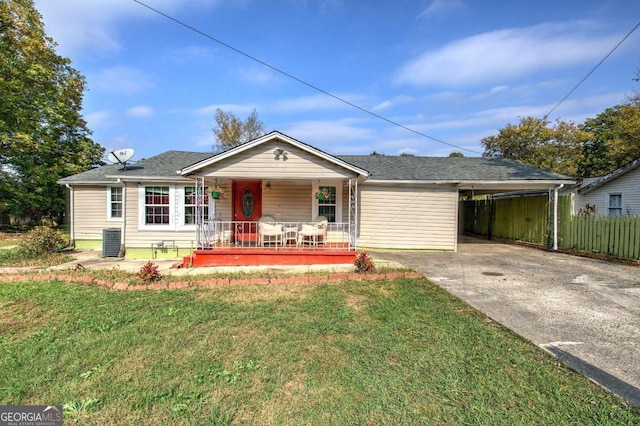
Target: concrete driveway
(585, 311)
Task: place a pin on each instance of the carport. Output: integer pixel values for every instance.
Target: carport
(547, 190)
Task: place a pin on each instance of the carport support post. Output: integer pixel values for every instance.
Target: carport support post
(551, 220)
(555, 216)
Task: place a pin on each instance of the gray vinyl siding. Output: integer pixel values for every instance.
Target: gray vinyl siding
(260, 163)
(90, 212)
(288, 200)
(408, 217)
(345, 203)
(628, 185)
(136, 238)
(222, 207)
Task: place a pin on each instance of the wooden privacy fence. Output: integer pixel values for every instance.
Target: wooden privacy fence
(526, 219)
(521, 218)
(617, 236)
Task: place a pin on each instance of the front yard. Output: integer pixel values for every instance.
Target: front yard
(355, 352)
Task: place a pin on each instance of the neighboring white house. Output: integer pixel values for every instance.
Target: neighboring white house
(378, 201)
(615, 194)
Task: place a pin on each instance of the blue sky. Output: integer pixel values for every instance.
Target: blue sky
(455, 70)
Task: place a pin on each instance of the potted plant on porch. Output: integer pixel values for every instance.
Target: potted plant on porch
(217, 193)
(321, 194)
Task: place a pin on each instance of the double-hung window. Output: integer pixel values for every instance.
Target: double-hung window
(191, 204)
(115, 203)
(327, 205)
(156, 205)
(615, 204)
(171, 207)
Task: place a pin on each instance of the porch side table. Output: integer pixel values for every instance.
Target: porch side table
(290, 234)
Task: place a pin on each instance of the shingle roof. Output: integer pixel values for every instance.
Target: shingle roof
(381, 167)
(392, 168)
(164, 165)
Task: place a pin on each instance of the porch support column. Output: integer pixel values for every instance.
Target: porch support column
(72, 207)
(123, 229)
(353, 212)
(199, 213)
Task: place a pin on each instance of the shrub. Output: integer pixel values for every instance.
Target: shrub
(364, 263)
(149, 272)
(41, 240)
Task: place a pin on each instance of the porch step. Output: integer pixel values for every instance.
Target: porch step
(256, 257)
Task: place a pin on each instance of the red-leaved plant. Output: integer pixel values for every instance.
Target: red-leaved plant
(149, 272)
(363, 263)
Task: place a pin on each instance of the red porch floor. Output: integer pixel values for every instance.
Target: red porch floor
(246, 256)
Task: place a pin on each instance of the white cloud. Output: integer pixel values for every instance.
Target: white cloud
(140, 111)
(401, 99)
(311, 103)
(325, 132)
(441, 7)
(257, 75)
(122, 79)
(189, 54)
(507, 54)
(99, 119)
(92, 25)
(204, 141)
(497, 89)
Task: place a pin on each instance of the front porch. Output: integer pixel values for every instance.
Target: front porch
(267, 242)
(274, 201)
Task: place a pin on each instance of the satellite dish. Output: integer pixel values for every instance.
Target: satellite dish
(121, 156)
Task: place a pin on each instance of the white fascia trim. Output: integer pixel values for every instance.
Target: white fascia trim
(92, 183)
(266, 138)
(473, 182)
(524, 183)
(412, 182)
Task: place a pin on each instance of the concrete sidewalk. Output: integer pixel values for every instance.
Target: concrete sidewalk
(585, 311)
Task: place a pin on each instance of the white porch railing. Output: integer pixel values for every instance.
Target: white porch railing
(215, 234)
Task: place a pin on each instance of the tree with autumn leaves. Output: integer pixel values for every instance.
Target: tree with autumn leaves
(231, 131)
(594, 148)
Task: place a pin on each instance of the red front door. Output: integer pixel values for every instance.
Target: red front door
(247, 209)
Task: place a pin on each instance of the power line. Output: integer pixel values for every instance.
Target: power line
(301, 81)
(592, 70)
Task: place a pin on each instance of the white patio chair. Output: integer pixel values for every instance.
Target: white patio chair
(314, 233)
(269, 231)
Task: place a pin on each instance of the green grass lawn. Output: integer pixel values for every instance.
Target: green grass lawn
(357, 352)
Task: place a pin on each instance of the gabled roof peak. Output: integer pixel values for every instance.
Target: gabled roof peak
(271, 136)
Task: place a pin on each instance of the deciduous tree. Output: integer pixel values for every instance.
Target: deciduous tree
(231, 131)
(533, 141)
(43, 136)
(615, 140)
